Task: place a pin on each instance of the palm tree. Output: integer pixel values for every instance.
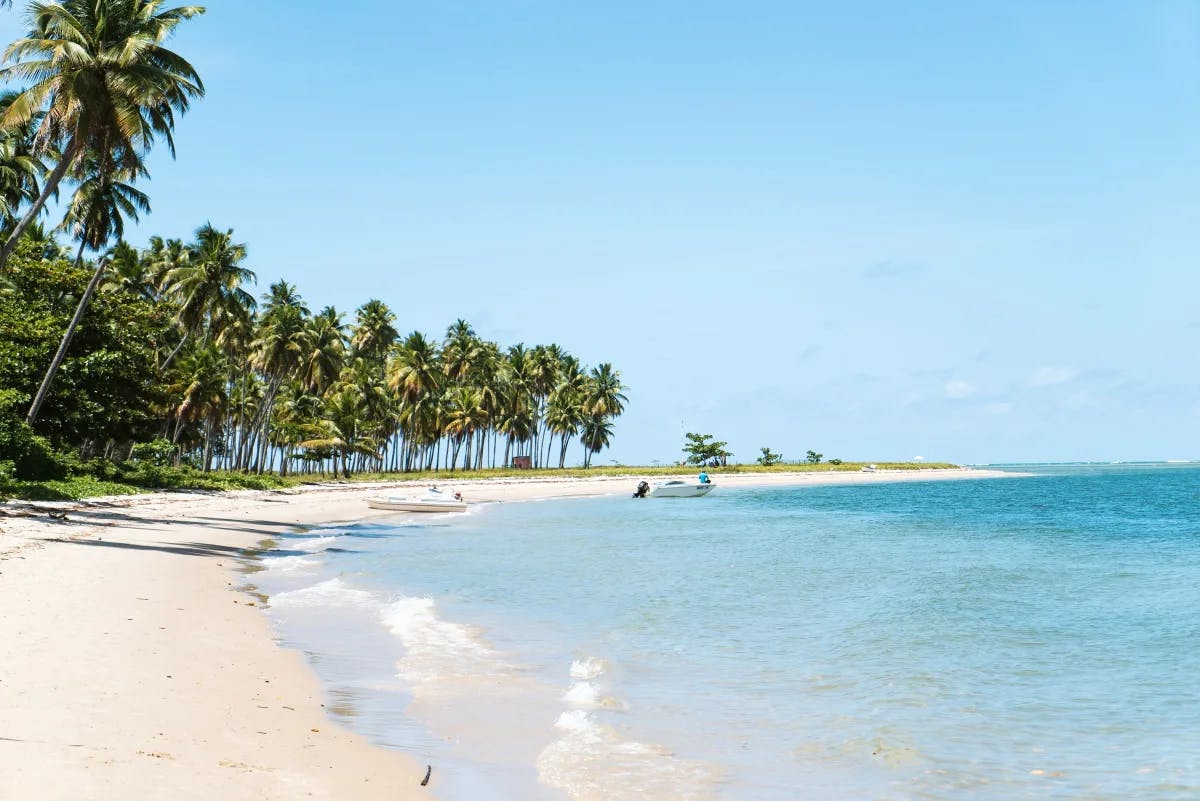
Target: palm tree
(129, 272)
(96, 214)
(100, 205)
(203, 392)
(327, 351)
(460, 350)
(20, 167)
(278, 352)
(345, 429)
(597, 435)
(206, 280)
(465, 415)
(542, 367)
(297, 418)
(415, 376)
(374, 333)
(104, 81)
(517, 415)
(162, 256)
(604, 395)
(281, 294)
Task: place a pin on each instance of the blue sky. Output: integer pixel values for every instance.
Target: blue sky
(962, 231)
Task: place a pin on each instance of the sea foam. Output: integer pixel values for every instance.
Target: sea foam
(333, 592)
(591, 762)
(437, 649)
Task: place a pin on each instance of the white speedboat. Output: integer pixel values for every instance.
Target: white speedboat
(432, 500)
(677, 488)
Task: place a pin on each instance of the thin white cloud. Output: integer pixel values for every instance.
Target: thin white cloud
(1000, 407)
(1051, 376)
(958, 389)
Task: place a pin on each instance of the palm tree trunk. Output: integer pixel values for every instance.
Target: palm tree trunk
(52, 182)
(57, 361)
(208, 438)
(171, 356)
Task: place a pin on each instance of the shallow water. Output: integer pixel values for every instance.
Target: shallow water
(1014, 638)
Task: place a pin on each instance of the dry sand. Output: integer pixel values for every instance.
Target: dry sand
(136, 664)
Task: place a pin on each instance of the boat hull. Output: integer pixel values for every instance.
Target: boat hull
(680, 490)
(415, 505)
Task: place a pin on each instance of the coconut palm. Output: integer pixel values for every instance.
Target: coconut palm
(162, 256)
(564, 406)
(21, 169)
(465, 415)
(281, 294)
(460, 351)
(205, 280)
(516, 417)
(542, 374)
(344, 430)
(203, 392)
(129, 272)
(297, 418)
(604, 395)
(103, 82)
(102, 201)
(327, 351)
(415, 370)
(415, 376)
(596, 436)
(374, 332)
(278, 352)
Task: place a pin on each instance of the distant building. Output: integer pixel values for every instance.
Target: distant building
(522, 462)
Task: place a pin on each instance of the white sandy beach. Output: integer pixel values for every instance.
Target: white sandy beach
(136, 663)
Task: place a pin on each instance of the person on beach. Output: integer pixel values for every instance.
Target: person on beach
(703, 477)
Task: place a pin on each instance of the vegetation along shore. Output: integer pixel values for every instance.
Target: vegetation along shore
(117, 362)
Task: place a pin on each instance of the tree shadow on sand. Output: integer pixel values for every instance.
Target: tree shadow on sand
(180, 549)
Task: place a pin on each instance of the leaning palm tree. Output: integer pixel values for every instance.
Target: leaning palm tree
(103, 82)
(96, 214)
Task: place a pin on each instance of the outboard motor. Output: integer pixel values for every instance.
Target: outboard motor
(642, 489)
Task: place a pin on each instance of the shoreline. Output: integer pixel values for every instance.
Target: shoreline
(136, 662)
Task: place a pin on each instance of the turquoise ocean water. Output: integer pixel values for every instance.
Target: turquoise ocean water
(1021, 638)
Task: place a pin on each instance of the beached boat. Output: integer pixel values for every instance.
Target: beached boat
(432, 500)
(677, 488)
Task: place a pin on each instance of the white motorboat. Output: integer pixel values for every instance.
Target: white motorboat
(677, 488)
(433, 500)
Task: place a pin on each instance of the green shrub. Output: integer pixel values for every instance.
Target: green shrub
(157, 452)
(40, 462)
